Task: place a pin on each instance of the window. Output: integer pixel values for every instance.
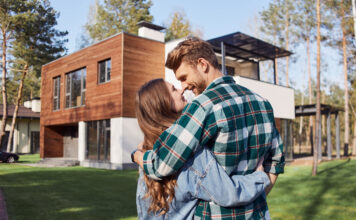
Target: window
(104, 71)
(56, 92)
(98, 140)
(35, 142)
(75, 88)
(229, 70)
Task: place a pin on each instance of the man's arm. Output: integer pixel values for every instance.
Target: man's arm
(176, 144)
(273, 178)
(274, 163)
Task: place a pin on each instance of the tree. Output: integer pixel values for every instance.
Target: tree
(306, 24)
(178, 27)
(342, 13)
(35, 43)
(317, 127)
(272, 25)
(10, 10)
(114, 16)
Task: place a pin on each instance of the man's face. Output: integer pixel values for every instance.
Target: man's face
(191, 78)
(178, 100)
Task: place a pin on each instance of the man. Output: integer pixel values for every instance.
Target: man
(236, 124)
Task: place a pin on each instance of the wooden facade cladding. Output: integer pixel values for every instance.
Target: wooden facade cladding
(134, 61)
(143, 61)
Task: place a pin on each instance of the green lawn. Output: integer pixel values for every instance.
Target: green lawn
(67, 193)
(86, 193)
(329, 195)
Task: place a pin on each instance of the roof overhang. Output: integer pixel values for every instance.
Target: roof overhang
(247, 48)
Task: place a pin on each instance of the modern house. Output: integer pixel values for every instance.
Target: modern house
(26, 137)
(88, 97)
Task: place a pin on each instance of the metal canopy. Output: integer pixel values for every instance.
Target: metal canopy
(247, 48)
(308, 110)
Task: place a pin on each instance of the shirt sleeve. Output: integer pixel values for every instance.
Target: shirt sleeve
(274, 163)
(176, 144)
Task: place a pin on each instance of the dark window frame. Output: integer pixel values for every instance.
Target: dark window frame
(107, 73)
(103, 129)
(56, 89)
(69, 89)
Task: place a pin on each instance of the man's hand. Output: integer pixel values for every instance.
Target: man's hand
(138, 158)
(272, 177)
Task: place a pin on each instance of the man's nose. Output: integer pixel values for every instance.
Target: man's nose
(181, 91)
(184, 86)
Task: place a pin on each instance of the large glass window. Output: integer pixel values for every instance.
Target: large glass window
(56, 92)
(75, 88)
(104, 70)
(98, 140)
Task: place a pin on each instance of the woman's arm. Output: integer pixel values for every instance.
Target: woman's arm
(205, 179)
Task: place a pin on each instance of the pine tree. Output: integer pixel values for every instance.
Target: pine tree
(114, 16)
(273, 24)
(343, 19)
(10, 11)
(178, 27)
(317, 127)
(35, 43)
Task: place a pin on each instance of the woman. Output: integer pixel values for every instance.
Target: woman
(158, 105)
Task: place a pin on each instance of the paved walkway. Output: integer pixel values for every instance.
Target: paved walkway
(3, 212)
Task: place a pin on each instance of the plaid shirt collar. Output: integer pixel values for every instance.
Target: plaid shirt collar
(220, 80)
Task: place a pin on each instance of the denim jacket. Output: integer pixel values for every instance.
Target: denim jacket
(203, 178)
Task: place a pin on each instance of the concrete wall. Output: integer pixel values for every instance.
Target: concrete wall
(280, 97)
(125, 135)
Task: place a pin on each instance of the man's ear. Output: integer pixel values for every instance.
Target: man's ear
(203, 65)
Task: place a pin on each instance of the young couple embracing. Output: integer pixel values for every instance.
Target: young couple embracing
(216, 157)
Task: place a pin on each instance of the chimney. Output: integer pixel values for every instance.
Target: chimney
(36, 105)
(150, 31)
(27, 104)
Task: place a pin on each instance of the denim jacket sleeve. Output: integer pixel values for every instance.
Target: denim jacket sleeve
(205, 179)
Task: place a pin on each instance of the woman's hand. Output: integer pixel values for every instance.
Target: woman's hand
(140, 146)
(260, 166)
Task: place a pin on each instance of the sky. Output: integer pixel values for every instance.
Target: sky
(213, 18)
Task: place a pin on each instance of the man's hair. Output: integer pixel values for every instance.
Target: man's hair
(190, 51)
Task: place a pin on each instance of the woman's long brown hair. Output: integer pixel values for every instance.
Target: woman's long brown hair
(154, 115)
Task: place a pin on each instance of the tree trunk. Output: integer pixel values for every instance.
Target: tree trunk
(287, 47)
(354, 140)
(346, 96)
(354, 16)
(3, 86)
(317, 127)
(310, 135)
(276, 63)
(276, 70)
(18, 100)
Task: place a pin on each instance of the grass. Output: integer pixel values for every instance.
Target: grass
(86, 193)
(29, 158)
(67, 193)
(329, 195)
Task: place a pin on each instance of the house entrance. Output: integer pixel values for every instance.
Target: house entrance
(70, 142)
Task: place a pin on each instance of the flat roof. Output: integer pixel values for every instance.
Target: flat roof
(247, 48)
(310, 109)
(150, 25)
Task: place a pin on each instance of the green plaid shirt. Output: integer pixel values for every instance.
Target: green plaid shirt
(237, 125)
